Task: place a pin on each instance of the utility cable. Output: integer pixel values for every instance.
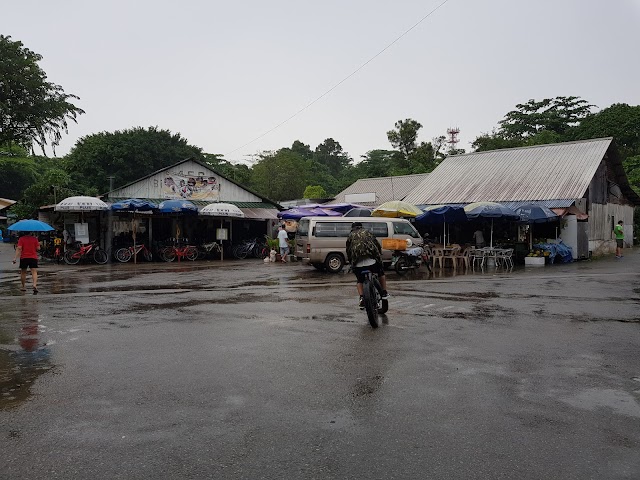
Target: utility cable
(341, 81)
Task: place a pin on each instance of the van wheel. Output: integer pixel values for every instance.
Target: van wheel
(318, 266)
(334, 262)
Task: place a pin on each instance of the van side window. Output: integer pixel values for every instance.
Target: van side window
(379, 229)
(405, 229)
(332, 229)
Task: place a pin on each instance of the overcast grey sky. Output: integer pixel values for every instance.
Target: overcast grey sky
(222, 73)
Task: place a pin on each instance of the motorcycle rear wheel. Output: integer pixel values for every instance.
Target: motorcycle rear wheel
(402, 266)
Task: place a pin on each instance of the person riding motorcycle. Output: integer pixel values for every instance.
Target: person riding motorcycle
(364, 253)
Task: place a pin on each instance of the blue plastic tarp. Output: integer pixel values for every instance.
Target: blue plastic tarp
(556, 249)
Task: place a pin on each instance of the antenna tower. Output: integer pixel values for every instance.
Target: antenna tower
(453, 138)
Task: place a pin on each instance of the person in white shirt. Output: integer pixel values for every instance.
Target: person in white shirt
(479, 238)
(283, 243)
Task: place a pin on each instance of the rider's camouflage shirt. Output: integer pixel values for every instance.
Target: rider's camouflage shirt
(362, 244)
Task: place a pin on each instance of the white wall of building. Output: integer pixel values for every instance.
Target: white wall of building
(155, 186)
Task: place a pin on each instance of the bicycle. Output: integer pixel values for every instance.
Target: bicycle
(244, 249)
(84, 252)
(372, 297)
(209, 249)
(126, 253)
(169, 254)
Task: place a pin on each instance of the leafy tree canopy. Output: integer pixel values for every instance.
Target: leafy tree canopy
(314, 191)
(552, 114)
(620, 121)
(127, 155)
(17, 175)
(32, 110)
(331, 154)
(281, 175)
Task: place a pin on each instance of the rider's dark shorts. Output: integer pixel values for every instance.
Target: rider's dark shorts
(28, 262)
(619, 242)
(376, 268)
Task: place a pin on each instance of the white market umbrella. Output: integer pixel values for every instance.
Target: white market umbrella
(222, 210)
(81, 204)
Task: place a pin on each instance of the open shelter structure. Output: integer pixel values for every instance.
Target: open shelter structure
(584, 176)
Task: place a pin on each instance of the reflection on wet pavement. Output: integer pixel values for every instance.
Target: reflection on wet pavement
(24, 355)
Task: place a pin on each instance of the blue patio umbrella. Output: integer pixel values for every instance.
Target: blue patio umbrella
(30, 226)
(490, 210)
(177, 206)
(441, 215)
(532, 213)
(133, 205)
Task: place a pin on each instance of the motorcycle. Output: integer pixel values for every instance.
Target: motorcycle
(411, 259)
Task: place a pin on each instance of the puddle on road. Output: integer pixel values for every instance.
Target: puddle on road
(24, 354)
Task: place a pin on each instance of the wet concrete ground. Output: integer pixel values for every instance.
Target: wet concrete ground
(245, 370)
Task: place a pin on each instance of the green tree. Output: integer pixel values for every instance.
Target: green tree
(51, 185)
(554, 114)
(32, 110)
(127, 155)
(17, 174)
(239, 173)
(280, 176)
(301, 149)
(331, 154)
(404, 138)
(620, 121)
(314, 191)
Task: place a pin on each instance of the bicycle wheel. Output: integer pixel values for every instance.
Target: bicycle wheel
(370, 302)
(383, 305)
(123, 255)
(168, 254)
(100, 257)
(71, 257)
(243, 251)
(191, 253)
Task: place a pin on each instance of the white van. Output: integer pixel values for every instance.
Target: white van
(322, 241)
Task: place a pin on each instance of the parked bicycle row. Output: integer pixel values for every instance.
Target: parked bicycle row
(93, 253)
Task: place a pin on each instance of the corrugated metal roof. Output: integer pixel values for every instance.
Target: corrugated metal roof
(385, 188)
(544, 172)
(260, 213)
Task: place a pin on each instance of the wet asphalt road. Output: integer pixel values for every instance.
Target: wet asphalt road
(246, 370)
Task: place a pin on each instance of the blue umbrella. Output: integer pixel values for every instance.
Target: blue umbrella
(441, 215)
(177, 206)
(30, 226)
(490, 210)
(134, 205)
(532, 213)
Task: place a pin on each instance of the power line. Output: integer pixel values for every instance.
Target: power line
(343, 80)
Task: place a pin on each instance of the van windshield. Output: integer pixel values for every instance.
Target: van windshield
(406, 229)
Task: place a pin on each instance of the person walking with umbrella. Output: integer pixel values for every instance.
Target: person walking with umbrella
(27, 253)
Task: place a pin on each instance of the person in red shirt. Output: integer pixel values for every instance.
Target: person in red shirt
(27, 252)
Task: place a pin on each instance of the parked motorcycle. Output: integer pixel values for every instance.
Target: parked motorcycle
(404, 260)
